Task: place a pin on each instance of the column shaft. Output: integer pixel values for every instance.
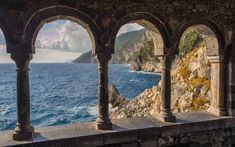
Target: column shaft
(166, 114)
(217, 86)
(23, 131)
(103, 120)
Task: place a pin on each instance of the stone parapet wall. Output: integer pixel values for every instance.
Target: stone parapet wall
(191, 129)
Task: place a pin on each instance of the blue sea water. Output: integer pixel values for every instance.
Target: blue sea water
(65, 93)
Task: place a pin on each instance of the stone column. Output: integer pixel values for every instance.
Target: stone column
(166, 114)
(24, 130)
(103, 120)
(217, 106)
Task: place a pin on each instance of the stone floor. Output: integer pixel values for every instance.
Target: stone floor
(124, 131)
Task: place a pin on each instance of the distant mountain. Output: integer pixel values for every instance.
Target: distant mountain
(125, 44)
(85, 58)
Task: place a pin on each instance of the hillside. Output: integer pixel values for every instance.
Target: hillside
(125, 45)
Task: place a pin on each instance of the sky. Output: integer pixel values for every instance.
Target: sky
(60, 41)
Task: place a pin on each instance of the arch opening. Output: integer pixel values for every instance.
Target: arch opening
(62, 90)
(47, 15)
(137, 44)
(191, 69)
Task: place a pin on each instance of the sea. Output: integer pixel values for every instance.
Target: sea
(65, 93)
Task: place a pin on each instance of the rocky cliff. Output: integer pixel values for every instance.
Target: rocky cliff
(190, 88)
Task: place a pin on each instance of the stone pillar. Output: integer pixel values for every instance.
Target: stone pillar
(166, 114)
(103, 120)
(217, 106)
(24, 130)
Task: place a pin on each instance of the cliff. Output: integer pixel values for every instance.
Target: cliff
(190, 88)
(135, 48)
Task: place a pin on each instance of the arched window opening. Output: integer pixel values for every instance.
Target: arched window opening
(191, 70)
(63, 90)
(136, 91)
(7, 88)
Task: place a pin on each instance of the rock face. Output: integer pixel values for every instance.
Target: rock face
(190, 88)
(149, 66)
(115, 99)
(143, 58)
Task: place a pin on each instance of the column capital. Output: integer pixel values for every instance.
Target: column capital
(22, 60)
(216, 59)
(103, 58)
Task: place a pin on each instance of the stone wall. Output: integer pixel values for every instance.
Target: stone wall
(192, 129)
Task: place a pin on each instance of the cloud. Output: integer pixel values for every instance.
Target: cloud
(65, 35)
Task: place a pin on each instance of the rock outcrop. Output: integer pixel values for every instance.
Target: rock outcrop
(115, 99)
(190, 88)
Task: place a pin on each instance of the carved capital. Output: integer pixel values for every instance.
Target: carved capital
(103, 58)
(22, 60)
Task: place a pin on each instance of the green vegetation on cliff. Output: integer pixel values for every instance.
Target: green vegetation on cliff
(189, 40)
(145, 52)
(128, 40)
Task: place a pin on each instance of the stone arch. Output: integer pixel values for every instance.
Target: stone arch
(147, 18)
(214, 55)
(39, 18)
(194, 21)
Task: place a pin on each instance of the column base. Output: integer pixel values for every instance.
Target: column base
(217, 111)
(166, 118)
(23, 134)
(104, 124)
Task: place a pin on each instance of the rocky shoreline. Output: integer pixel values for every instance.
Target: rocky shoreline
(190, 89)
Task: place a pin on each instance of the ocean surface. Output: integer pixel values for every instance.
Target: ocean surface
(65, 93)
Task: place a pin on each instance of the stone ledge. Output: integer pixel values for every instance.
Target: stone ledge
(124, 131)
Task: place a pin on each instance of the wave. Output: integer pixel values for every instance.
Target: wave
(145, 72)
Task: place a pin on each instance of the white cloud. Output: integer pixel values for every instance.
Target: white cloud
(67, 36)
